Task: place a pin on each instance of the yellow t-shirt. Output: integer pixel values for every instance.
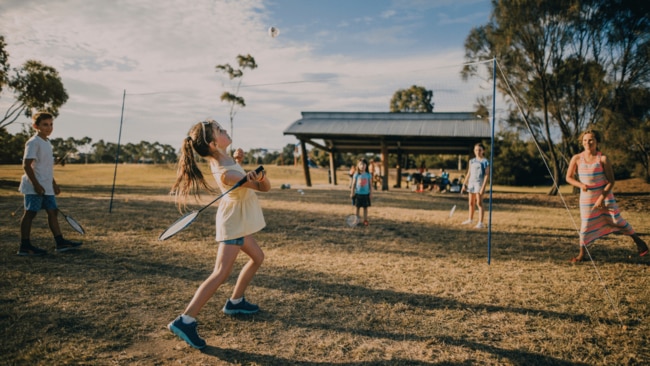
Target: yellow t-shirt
(239, 213)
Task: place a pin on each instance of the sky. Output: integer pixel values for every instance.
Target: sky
(159, 58)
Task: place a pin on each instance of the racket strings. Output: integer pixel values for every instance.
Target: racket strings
(75, 225)
(179, 225)
(352, 220)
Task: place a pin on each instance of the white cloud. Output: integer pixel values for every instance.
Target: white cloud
(164, 52)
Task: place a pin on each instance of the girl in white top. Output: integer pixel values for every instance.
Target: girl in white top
(239, 216)
(476, 179)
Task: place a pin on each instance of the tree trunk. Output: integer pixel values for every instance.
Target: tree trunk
(556, 175)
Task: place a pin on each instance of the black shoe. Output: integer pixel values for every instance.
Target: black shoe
(187, 332)
(244, 307)
(30, 251)
(66, 245)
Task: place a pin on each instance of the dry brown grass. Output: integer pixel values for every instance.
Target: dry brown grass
(412, 289)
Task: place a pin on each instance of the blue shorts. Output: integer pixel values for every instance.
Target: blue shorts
(238, 241)
(36, 202)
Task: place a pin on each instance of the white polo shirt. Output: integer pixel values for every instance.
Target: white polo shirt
(41, 151)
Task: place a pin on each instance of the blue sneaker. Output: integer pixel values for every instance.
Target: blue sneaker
(30, 250)
(187, 332)
(66, 245)
(244, 307)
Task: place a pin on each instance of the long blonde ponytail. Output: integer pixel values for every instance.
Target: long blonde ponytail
(189, 178)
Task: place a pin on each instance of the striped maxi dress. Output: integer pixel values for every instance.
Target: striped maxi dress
(598, 222)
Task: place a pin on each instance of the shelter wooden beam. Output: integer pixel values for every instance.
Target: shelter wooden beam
(316, 144)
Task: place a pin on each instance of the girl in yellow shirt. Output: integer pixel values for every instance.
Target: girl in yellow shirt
(239, 216)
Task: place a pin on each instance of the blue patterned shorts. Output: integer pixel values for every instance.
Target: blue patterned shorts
(36, 202)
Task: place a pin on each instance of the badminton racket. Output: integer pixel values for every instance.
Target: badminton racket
(16, 210)
(187, 219)
(451, 213)
(73, 223)
(352, 220)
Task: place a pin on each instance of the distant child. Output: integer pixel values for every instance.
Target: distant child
(40, 188)
(351, 174)
(598, 209)
(239, 216)
(361, 190)
(444, 180)
(476, 179)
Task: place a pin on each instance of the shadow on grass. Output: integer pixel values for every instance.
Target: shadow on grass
(145, 264)
(240, 357)
(515, 356)
(290, 281)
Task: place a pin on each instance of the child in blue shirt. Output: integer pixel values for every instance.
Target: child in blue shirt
(361, 191)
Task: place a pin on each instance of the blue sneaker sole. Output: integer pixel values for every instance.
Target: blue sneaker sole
(182, 335)
(65, 249)
(239, 311)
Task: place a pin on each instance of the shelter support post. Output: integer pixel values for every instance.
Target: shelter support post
(398, 178)
(384, 165)
(332, 168)
(305, 165)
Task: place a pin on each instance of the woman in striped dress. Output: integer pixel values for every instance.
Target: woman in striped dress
(599, 212)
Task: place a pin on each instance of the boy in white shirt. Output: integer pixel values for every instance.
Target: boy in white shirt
(39, 187)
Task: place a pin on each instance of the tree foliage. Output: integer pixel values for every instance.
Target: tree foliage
(414, 99)
(65, 148)
(517, 162)
(232, 97)
(567, 65)
(142, 152)
(4, 64)
(71, 150)
(12, 147)
(36, 87)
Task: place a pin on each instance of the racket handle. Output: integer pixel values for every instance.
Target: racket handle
(258, 170)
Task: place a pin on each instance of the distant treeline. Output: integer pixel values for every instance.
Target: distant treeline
(71, 150)
(85, 151)
(516, 162)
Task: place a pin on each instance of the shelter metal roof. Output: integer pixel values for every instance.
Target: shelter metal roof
(422, 133)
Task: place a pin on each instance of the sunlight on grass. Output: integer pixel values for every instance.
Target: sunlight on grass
(412, 288)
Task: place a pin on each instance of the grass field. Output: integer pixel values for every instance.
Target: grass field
(413, 288)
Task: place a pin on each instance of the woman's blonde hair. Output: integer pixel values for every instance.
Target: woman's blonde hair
(189, 178)
(591, 131)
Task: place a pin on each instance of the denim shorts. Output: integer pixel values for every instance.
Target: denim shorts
(238, 241)
(474, 187)
(36, 202)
